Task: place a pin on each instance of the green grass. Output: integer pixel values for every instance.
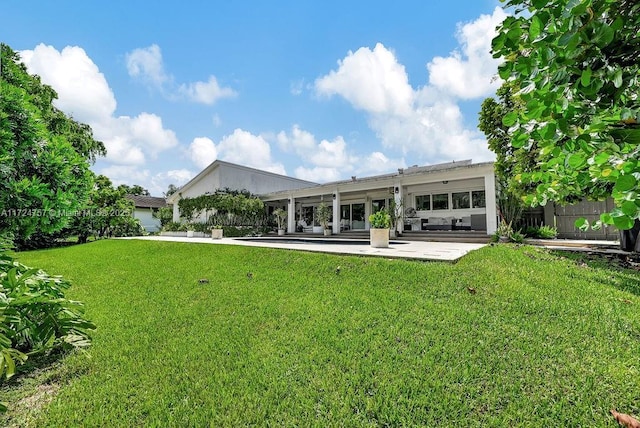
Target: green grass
(279, 338)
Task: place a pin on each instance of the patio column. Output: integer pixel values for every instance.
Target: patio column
(490, 202)
(336, 212)
(291, 215)
(176, 211)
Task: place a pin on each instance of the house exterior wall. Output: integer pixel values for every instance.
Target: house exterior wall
(453, 178)
(222, 175)
(145, 216)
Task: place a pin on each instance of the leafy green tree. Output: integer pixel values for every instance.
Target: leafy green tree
(136, 189)
(509, 160)
(171, 190)
(108, 213)
(44, 155)
(578, 66)
(164, 214)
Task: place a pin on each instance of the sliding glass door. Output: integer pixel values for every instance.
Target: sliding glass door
(352, 216)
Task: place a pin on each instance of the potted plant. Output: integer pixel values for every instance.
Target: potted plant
(281, 217)
(396, 213)
(190, 230)
(504, 231)
(216, 232)
(379, 230)
(324, 215)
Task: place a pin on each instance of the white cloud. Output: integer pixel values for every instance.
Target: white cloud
(426, 121)
(126, 174)
(241, 147)
(84, 93)
(470, 73)
(373, 81)
(330, 160)
(206, 92)
(146, 64)
(160, 182)
(318, 174)
(202, 151)
(244, 148)
(296, 87)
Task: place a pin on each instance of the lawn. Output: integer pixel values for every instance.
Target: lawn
(508, 336)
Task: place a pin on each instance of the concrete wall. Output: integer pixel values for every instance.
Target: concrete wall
(150, 223)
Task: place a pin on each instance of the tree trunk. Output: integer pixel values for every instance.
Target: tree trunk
(629, 238)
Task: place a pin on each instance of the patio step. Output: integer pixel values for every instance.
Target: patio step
(424, 236)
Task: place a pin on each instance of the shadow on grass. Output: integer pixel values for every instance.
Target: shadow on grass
(626, 267)
(35, 385)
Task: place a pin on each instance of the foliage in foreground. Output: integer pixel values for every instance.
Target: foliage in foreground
(44, 154)
(577, 69)
(508, 336)
(35, 316)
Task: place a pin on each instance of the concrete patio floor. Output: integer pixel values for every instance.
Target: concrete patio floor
(436, 251)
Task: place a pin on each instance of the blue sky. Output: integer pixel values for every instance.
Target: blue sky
(316, 90)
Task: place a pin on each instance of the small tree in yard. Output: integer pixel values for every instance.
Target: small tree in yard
(281, 217)
(577, 67)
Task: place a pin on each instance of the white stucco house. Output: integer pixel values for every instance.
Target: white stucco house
(451, 196)
(144, 206)
(221, 175)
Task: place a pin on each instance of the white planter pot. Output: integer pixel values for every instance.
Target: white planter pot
(317, 229)
(189, 233)
(379, 238)
(280, 232)
(327, 232)
(216, 233)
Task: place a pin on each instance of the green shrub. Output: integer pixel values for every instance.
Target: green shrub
(541, 232)
(35, 317)
(380, 220)
(516, 237)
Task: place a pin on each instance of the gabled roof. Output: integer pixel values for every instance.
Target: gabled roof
(147, 201)
(215, 164)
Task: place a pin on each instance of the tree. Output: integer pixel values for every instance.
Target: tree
(44, 155)
(509, 161)
(108, 213)
(136, 189)
(578, 66)
(171, 190)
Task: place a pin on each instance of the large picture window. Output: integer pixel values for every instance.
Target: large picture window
(477, 197)
(441, 201)
(423, 202)
(460, 200)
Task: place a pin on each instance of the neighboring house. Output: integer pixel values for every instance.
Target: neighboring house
(145, 206)
(222, 175)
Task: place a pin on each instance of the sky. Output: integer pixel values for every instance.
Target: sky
(318, 90)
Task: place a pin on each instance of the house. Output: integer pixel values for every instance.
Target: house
(222, 175)
(451, 196)
(144, 208)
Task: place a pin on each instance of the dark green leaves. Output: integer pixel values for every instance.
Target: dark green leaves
(575, 63)
(585, 78)
(625, 183)
(510, 118)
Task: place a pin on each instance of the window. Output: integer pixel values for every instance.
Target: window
(345, 212)
(460, 200)
(423, 202)
(477, 196)
(378, 205)
(441, 201)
